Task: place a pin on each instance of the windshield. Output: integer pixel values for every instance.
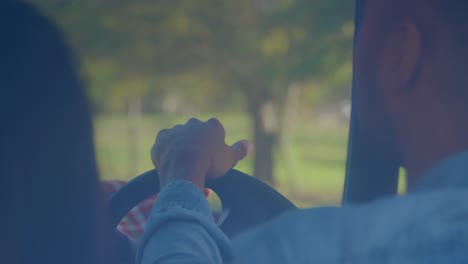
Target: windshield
(277, 72)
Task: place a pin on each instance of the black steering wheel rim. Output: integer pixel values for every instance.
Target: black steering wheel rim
(250, 201)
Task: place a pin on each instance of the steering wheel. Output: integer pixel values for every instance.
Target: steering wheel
(248, 201)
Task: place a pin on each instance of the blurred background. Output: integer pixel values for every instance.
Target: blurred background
(275, 71)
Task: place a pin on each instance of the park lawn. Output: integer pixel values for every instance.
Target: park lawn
(315, 153)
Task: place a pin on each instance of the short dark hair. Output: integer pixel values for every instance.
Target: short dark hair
(455, 14)
(454, 19)
(453, 10)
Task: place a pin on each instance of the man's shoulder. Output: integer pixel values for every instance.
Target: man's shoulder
(381, 216)
(420, 221)
(413, 226)
(425, 227)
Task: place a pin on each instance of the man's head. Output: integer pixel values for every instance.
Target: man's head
(412, 76)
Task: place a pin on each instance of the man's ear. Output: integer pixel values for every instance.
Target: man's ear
(410, 53)
(400, 59)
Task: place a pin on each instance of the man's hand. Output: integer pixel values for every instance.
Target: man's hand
(196, 151)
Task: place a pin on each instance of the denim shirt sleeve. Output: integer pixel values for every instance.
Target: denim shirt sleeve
(181, 229)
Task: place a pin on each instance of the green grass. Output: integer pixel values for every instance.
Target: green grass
(315, 153)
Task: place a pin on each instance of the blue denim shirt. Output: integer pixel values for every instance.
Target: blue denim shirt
(427, 225)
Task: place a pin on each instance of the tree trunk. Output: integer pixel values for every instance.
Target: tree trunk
(133, 122)
(291, 109)
(264, 122)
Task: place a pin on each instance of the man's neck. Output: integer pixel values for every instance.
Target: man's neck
(422, 151)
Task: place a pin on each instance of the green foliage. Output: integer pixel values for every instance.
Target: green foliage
(250, 49)
(212, 55)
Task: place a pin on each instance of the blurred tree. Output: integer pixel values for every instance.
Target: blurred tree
(210, 50)
(262, 48)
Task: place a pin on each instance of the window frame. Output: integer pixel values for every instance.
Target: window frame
(369, 174)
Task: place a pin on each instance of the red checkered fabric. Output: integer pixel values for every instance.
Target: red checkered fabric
(132, 225)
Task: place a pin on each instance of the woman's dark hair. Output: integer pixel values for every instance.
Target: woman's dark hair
(50, 194)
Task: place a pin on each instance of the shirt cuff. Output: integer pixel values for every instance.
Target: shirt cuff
(183, 200)
(183, 195)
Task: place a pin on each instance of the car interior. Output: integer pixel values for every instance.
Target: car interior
(260, 202)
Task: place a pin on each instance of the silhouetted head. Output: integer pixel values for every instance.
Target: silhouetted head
(49, 183)
(412, 79)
